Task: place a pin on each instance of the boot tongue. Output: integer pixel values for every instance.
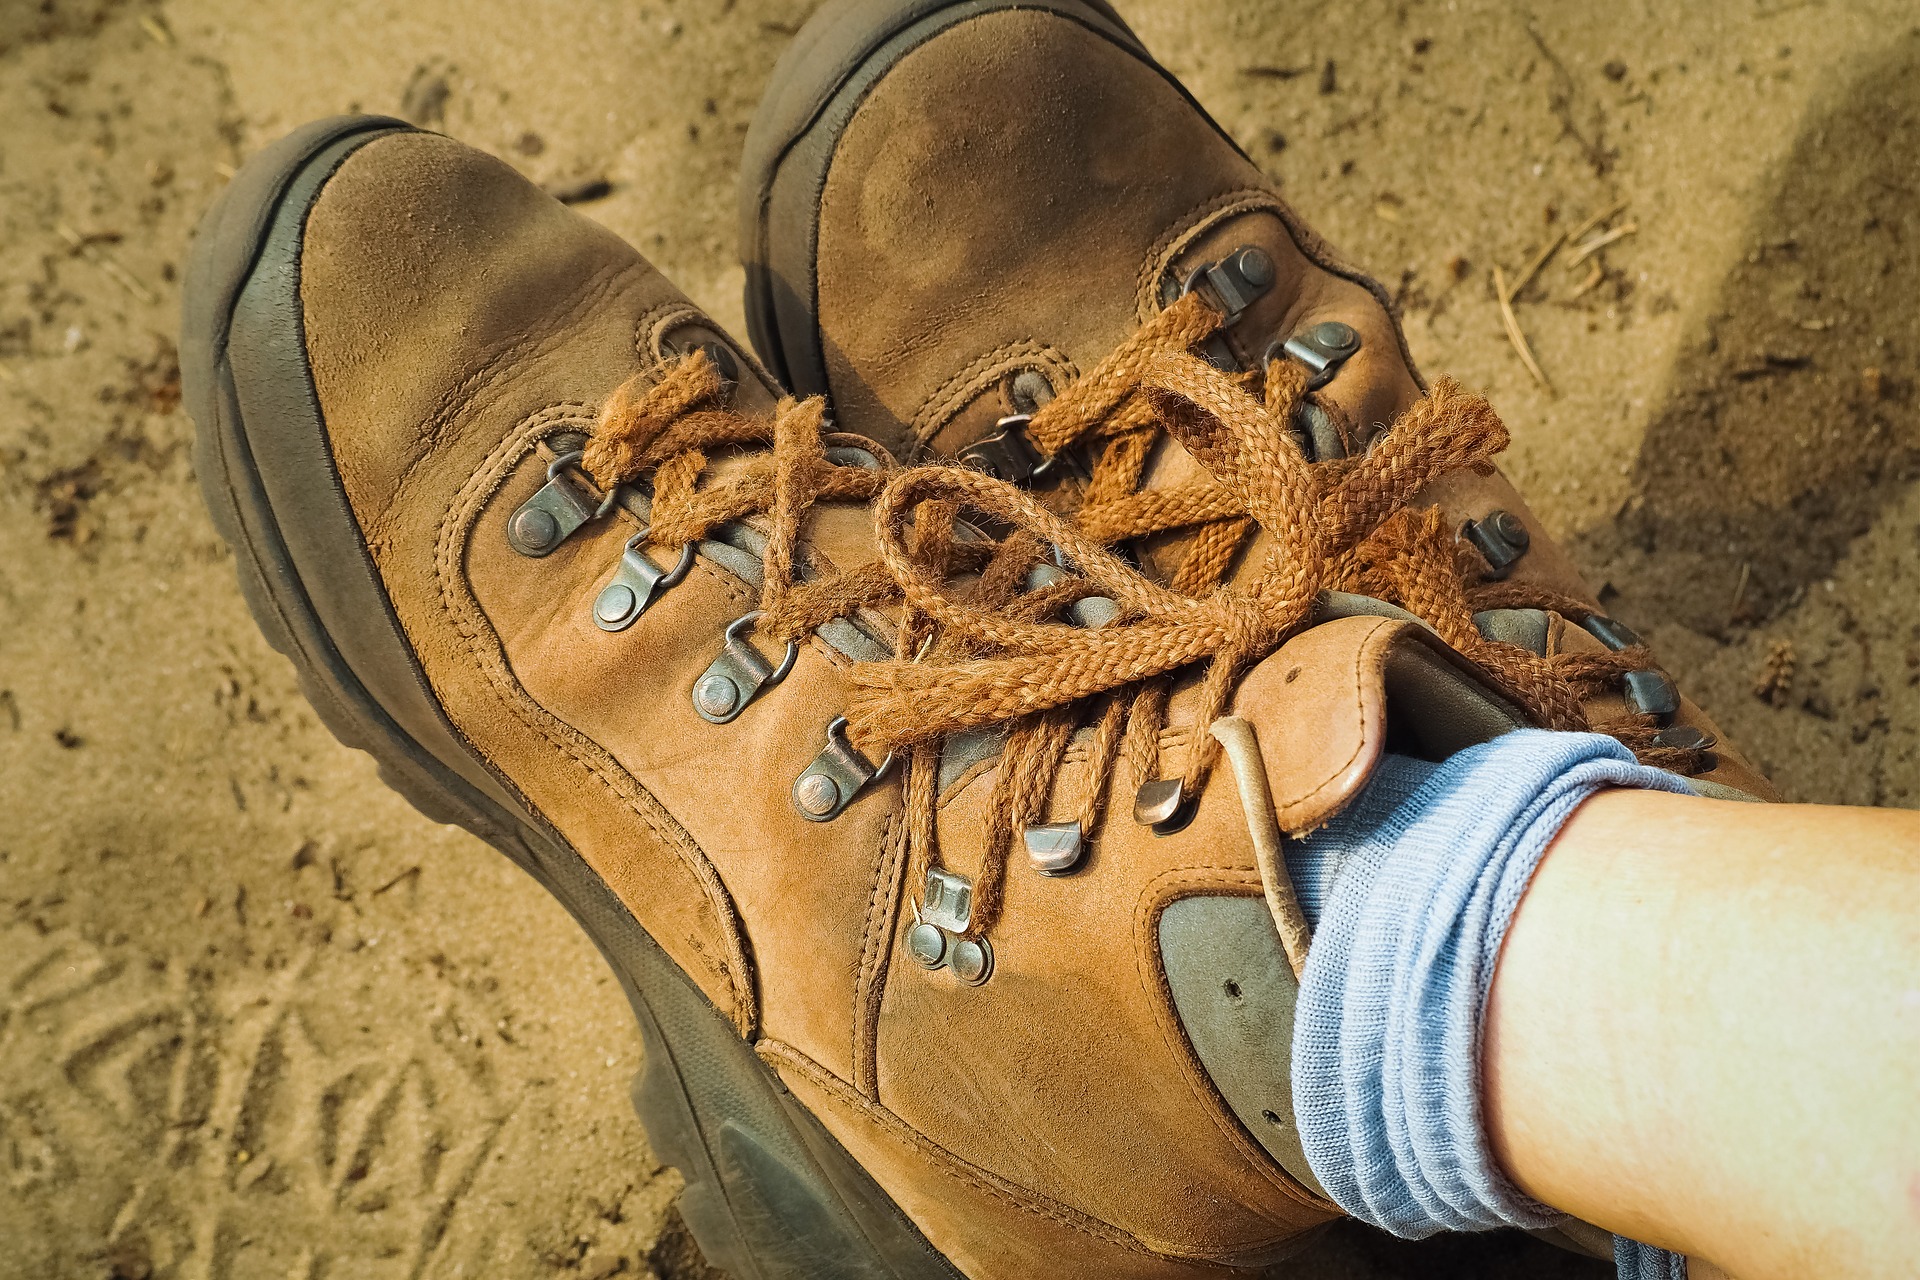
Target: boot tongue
(1250, 262)
(1251, 265)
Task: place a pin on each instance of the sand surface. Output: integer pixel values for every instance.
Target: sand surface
(260, 1019)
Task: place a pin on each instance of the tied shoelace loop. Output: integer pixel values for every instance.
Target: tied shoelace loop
(983, 643)
(986, 656)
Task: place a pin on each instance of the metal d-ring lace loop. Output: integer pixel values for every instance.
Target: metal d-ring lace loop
(554, 513)
(637, 583)
(738, 673)
(838, 774)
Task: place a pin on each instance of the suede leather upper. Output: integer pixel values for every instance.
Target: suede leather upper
(459, 327)
(1011, 195)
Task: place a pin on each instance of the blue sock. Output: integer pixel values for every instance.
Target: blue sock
(1411, 891)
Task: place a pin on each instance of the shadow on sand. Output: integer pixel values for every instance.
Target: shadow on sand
(1791, 416)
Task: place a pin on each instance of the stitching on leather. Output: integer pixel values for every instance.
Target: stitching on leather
(650, 331)
(477, 630)
(557, 330)
(778, 1054)
(1183, 231)
(958, 391)
(1155, 897)
(736, 590)
(484, 644)
(876, 953)
(862, 1077)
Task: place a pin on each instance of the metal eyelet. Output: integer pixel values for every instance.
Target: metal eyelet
(927, 945)
(1611, 632)
(1236, 282)
(1055, 848)
(1323, 348)
(1008, 454)
(971, 960)
(553, 514)
(738, 674)
(725, 363)
(842, 455)
(1651, 693)
(839, 773)
(1684, 737)
(637, 583)
(1089, 612)
(1029, 390)
(1502, 538)
(947, 902)
(1316, 433)
(938, 938)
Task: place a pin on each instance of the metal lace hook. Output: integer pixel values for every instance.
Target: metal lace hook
(637, 583)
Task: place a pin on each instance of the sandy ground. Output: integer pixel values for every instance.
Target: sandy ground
(259, 1019)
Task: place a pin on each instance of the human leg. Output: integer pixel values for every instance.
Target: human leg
(1688, 1021)
(1705, 1032)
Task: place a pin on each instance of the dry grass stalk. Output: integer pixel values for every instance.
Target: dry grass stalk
(1514, 335)
(1534, 268)
(1598, 243)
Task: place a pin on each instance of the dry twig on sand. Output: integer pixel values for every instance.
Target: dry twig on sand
(1594, 276)
(1600, 219)
(1600, 242)
(1512, 323)
(1540, 260)
(119, 274)
(1739, 592)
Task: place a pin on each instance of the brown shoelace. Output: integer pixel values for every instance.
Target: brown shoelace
(988, 655)
(668, 429)
(975, 648)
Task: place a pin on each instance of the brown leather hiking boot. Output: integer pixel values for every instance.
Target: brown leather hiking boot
(957, 213)
(395, 349)
(936, 848)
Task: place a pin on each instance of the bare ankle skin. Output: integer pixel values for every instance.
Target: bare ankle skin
(1704, 1033)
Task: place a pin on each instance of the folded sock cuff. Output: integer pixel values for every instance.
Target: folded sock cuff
(1412, 890)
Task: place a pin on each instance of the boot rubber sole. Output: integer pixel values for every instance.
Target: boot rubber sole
(770, 1195)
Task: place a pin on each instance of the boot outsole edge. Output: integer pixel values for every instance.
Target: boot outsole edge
(769, 1194)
